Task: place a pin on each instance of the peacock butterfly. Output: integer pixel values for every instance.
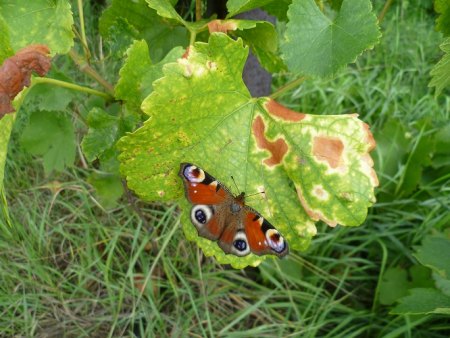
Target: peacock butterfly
(220, 216)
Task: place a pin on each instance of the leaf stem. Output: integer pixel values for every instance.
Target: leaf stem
(72, 86)
(88, 70)
(384, 10)
(83, 30)
(193, 36)
(288, 86)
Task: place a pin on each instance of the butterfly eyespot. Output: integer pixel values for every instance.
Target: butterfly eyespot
(275, 240)
(194, 174)
(201, 214)
(240, 244)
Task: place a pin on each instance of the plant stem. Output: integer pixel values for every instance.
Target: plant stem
(192, 38)
(384, 10)
(288, 86)
(72, 86)
(85, 68)
(198, 10)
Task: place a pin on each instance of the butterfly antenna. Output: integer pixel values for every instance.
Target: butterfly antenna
(237, 188)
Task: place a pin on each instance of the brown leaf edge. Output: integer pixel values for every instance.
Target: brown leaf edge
(15, 73)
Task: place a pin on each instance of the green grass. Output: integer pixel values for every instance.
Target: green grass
(69, 268)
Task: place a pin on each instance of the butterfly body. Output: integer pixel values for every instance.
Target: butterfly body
(220, 216)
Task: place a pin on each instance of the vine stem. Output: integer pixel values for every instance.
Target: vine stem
(88, 70)
(384, 10)
(288, 86)
(72, 86)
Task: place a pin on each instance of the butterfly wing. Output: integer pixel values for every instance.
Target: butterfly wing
(250, 232)
(207, 196)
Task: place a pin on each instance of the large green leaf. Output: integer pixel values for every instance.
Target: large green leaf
(51, 135)
(137, 74)
(39, 21)
(440, 74)
(145, 24)
(318, 45)
(443, 21)
(309, 167)
(423, 301)
(165, 9)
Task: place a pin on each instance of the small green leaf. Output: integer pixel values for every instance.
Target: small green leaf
(108, 187)
(50, 134)
(278, 8)
(423, 301)
(138, 74)
(238, 6)
(6, 124)
(393, 286)
(443, 21)
(201, 111)
(440, 74)
(165, 9)
(434, 253)
(39, 21)
(317, 45)
(104, 131)
(159, 34)
(262, 39)
(442, 283)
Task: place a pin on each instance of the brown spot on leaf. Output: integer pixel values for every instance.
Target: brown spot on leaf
(328, 149)
(276, 148)
(221, 26)
(278, 110)
(15, 73)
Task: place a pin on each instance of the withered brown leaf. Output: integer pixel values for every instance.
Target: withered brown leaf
(15, 73)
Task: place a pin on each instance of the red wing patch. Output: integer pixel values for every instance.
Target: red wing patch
(255, 235)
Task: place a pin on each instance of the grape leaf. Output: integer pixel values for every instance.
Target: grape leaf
(434, 253)
(137, 74)
(440, 74)
(238, 6)
(50, 134)
(259, 35)
(317, 45)
(201, 112)
(159, 34)
(443, 21)
(423, 301)
(6, 124)
(39, 22)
